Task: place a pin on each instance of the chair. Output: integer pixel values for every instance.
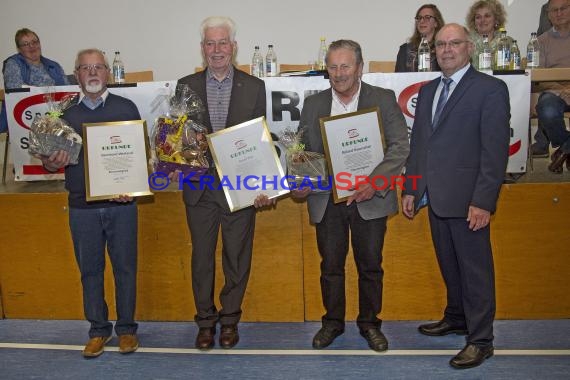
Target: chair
(381, 66)
(139, 76)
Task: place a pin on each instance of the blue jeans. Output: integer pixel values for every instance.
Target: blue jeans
(115, 228)
(550, 109)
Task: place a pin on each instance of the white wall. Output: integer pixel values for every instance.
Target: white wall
(163, 35)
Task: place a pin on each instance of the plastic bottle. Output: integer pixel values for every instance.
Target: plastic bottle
(271, 69)
(321, 64)
(515, 63)
(501, 55)
(118, 69)
(257, 66)
(424, 56)
(485, 57)
(532, 52)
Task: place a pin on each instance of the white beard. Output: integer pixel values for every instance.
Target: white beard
(93, 88)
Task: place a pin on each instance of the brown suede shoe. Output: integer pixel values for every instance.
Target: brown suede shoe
(95, 346)
(128, 343)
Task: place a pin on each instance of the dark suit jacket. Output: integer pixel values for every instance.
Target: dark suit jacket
(247, 102)
(463, 161)
(396, 136)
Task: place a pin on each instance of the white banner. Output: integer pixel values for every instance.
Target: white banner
(22, 108)
(285, 96)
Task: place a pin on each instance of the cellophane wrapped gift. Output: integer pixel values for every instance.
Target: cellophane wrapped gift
(50, 133)
(178, 139)
(301, 164)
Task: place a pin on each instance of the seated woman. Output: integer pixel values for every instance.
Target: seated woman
(29, 68)
(485, 17)
(428, 22)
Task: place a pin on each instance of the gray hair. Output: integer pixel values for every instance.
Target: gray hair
(218, 22)
(90, 51)
(346, 44)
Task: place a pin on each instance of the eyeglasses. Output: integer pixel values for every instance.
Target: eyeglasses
(556, 10)
(87, 68)
(426, 17)
(222, 44)
(453, 44)
(32, 43)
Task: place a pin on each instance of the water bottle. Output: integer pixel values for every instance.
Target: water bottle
(118, 69)
(485, 56)
(424, 56)
(532, 52)
(321, 64)
(271, 62)
(257, 64)
(501, 56)
(515, 63)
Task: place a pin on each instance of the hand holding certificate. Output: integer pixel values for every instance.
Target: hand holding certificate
(247, 163)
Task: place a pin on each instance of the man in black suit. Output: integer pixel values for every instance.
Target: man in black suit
(459, 147)
(230, 97)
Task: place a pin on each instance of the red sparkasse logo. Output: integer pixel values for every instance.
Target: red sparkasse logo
(240, 144)
(353, 133)
(407, 95)
(21, 107)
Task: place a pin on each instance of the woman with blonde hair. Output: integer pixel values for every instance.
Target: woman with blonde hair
(484, 18)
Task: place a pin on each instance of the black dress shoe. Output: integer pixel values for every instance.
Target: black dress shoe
(441, 328)
(229, 336)
(325, 336)
(205, 338)
(376, 340)
(471, 356)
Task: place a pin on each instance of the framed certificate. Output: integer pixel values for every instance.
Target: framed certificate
(116, 159)
(247, 163)
(354, 145)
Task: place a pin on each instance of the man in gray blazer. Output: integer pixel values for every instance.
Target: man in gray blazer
(367, 209)
(230, 97)
(459, 151)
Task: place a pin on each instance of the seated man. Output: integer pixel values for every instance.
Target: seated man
(552, 103)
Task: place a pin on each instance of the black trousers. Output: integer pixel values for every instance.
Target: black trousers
(204, 220)
(367, 239)
(466, 263)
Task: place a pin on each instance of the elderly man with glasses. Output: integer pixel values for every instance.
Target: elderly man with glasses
(99, 225)
(231, 97)
(459, 152)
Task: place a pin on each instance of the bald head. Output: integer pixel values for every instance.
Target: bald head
(453, 48)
